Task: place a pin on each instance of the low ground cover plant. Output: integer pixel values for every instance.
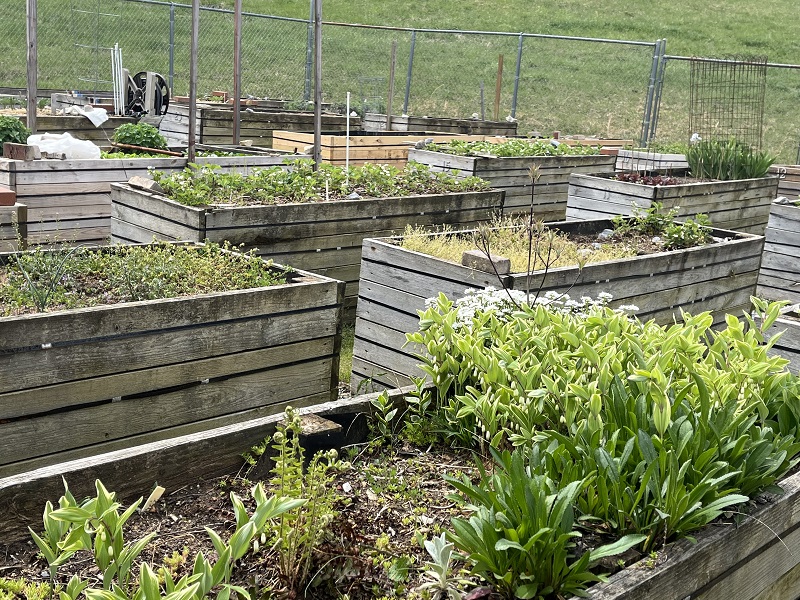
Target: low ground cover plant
(513, 147)
(204, 185)
(43, 280)
(649, 230)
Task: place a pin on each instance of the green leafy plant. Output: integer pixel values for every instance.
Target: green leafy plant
(654, 221)
(520, 534)
(297, 533)
(727, 160)
(669, 426)
(140, 134)
(12, 129)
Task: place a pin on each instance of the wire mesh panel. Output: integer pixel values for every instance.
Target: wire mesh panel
(726, 98)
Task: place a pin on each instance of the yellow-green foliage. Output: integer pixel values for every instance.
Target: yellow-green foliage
(510, 240)
(21, 589)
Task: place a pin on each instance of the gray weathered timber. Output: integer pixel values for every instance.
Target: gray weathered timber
(739, 205)
(377, 122)
(13, 227)
(754, 560)
(173, 461)
(70, 200)
(138, 372)
(789, 184)
(512, 174)
(779, 277)
(215, 124)
(642, 160)
(719, 277)
(322, 237)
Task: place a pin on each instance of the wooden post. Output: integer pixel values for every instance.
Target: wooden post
(498, 88)
(33, 65)
(237, 71)
(317, 83)
(193, 79)
(392, 66)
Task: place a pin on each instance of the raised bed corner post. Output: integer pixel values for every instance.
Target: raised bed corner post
(648, 102)
(33, 64)
(317, 83)
(193, 79)
(516, 77)
(410, 69)
(237, 71)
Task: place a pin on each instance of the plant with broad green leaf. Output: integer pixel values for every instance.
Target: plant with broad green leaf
(13, 130)
(520, 535)
(438, 579)
(97, 525)
(140, 134)
(670, 426)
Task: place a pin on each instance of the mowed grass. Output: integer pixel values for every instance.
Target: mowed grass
(567, 86)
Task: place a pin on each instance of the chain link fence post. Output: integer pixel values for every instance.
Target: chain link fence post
(171, 44)
(410, 69)
(516, 77)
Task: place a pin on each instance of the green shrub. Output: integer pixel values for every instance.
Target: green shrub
(140, 134)
(727, 160)
(521, 533)
(669, 425)
(13, 130)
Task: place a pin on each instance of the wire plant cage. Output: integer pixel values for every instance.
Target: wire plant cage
(726, 99)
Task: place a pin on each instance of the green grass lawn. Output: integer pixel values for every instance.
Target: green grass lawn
(572, 87)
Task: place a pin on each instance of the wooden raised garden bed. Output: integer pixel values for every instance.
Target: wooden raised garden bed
(719, 277)
(70, 200)
(377, 122)
(322, 237)
(789, 184)
(512, 175)
(642, 160)
(78, 383)
(386, 147)
(215, 124)
(779, 278)
(739, 205)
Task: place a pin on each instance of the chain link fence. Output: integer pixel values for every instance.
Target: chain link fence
(549, 83)
(573, 85)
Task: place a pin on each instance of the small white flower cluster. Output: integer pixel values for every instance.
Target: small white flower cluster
(504, 302)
